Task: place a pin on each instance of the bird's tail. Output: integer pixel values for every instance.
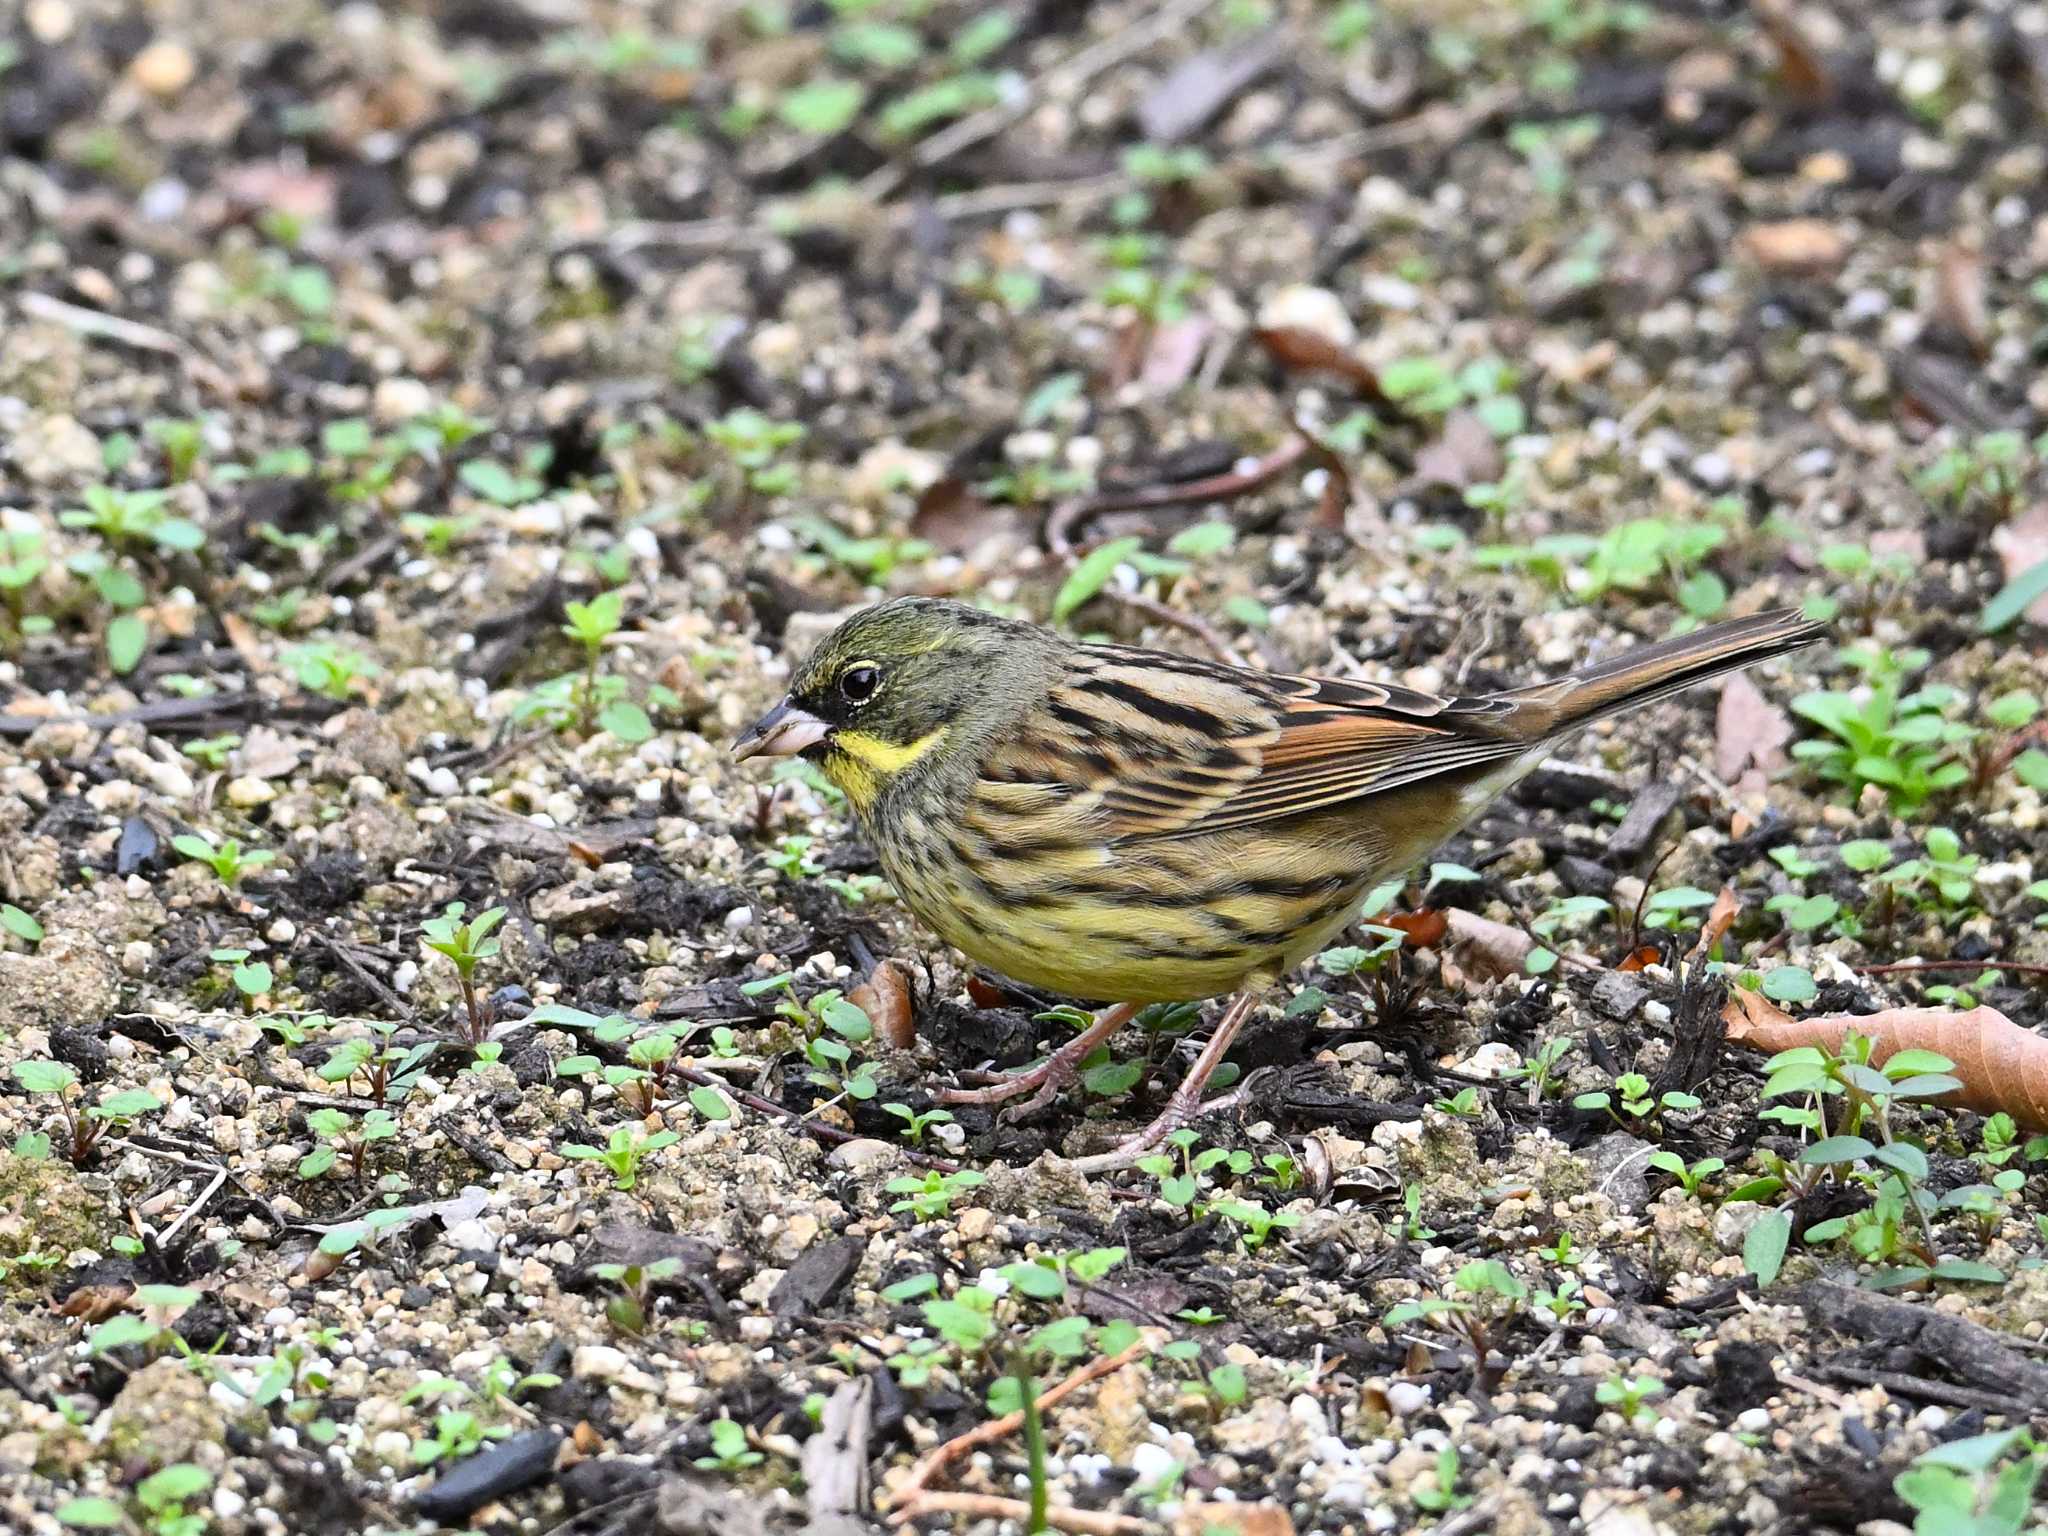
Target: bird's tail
(1655, 671)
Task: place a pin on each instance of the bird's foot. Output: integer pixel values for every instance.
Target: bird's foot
(1186, 1103)
(1045, 1081)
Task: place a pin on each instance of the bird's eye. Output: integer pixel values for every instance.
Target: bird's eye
(858, 684)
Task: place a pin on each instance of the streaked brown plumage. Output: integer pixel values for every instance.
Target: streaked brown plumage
(1135, 826)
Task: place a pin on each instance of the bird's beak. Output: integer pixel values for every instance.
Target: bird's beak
(783, 732)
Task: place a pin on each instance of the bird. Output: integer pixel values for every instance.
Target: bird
(1132, 826)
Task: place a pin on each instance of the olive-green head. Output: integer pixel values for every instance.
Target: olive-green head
(891, 684)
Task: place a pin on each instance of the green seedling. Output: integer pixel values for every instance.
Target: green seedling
(467, 945)
(84, 1124)
(623, 1153)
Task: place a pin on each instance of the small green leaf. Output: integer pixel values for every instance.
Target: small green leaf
(2015, 598)
(20, 924)
(823, 106)
(1837, 1149)
(127, 639)
(1091, 574)
(710, 1104)
(1763, 1247)
(1790, 984)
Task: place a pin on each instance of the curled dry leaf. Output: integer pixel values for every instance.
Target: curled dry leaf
(1419, 930)
(1299, 350)
(886, 998)
(1795, 247)
(1720, 918)
(2001, 1065)
(1641, 959)
(95, 1303)
(1486, 948)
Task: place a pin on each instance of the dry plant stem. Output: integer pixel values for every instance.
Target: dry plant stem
(1071, 515)
(937, 1460)
(1186, 1102)
(989, 1506)
(1052, 1074)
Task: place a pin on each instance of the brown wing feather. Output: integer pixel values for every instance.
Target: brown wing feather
(1157, 746)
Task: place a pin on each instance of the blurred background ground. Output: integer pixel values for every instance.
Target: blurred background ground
(427, 434)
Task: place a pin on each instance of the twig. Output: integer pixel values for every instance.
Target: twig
(1062, 79)
(346, 955)
(1073, 514)
(936, 1461)
(102, 326)
(989, 1506)
(1445, 121)
(1901, 1385)
(1076, 191)
(220, 1177)
(1199, 627)
(1898, 967)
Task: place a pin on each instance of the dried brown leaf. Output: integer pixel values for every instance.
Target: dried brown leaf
(2002, 1065)
(1299, 350)
(1749, 730)
(886, 997)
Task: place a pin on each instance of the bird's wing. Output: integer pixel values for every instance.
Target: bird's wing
(1145, 744)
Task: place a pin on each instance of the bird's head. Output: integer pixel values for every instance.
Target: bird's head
(890, 686)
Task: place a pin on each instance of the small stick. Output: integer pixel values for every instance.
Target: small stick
(936, 1461)
(1907, 966)
(1070, 515)
(130, 333)
(220, 1177)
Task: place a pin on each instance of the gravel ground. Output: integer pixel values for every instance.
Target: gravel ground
(429, 433)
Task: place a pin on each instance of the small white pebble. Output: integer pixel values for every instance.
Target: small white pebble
(1407, 1398)
(1753, 1421)
(739, 919)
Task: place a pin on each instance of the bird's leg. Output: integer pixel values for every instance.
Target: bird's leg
(1062, 1067)
(1186, 1102)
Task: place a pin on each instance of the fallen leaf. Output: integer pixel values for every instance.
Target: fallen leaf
(2001, 1065)
(1464, 454)
(1419, 930)
(1171, 355)
(1641, 959)
(1720, 918)
(1749, 730)
(1484, 947)
(95, 1303)
(1299, 350)
(1795, 247)
(886, 998)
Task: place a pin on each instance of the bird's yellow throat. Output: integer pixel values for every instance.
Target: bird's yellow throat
(861, 764)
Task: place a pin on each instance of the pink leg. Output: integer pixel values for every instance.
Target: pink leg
(1186, 1102)
(1051, 1075)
